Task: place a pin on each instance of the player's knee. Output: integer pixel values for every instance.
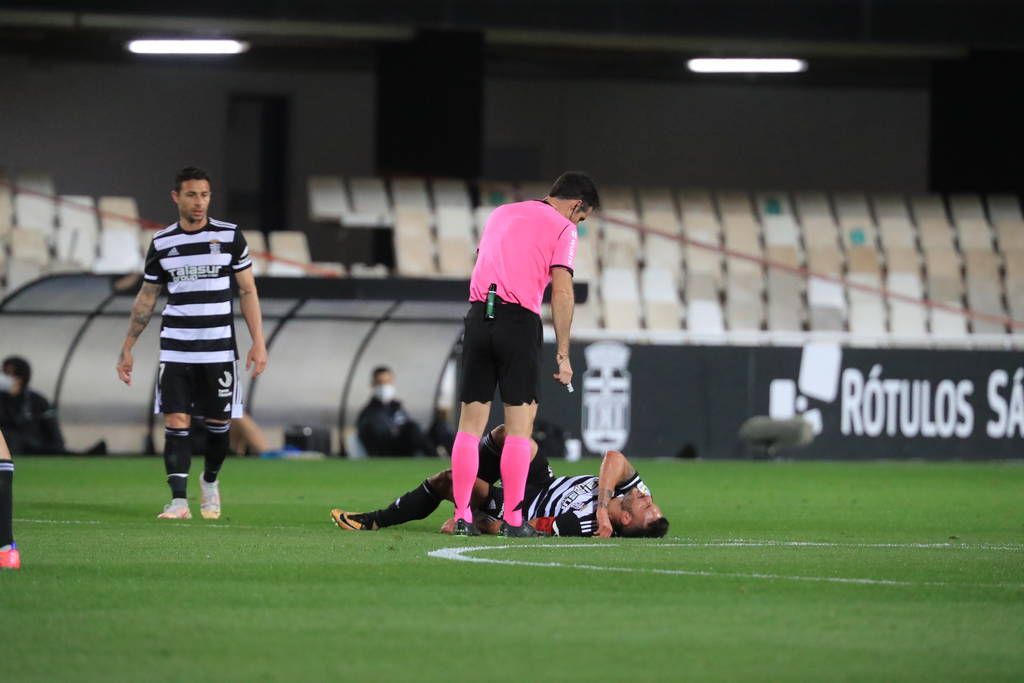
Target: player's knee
(177, 421)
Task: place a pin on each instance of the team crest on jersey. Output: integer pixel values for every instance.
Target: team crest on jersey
(214, 247)
(606, 391)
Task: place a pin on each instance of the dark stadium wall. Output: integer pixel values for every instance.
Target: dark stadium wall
(757, 136)
(109, 129)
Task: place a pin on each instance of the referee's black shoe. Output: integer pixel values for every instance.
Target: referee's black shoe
(524, 530)
(464, 528)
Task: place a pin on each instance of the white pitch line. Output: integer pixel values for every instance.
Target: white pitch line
(744, 543)
(56, 521)
(460, 555)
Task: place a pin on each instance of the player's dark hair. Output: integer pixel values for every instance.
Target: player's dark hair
(190, 173)
(576, 185)
(19, 367)
(380, 369)
(656, 529)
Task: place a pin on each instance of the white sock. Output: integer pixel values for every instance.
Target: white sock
(5, 547)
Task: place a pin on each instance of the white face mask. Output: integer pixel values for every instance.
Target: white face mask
(5, 382)
(385, 393)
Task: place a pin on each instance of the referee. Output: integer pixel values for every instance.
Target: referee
(195, 258)
(525, 245)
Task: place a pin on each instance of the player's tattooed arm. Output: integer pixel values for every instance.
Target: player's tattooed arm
(142, 309)
(615, 468)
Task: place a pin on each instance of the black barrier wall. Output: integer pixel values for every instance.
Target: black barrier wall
(863, 403)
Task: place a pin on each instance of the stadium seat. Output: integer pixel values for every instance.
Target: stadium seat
(588, 247)
(896, 233)
(410, 193)
(867, 310)
(696, 208)
(495, 193)
(620, 245)
(370, 204)
(6, 209)
(744, 306)
(852, 210)
(825, 260)
(864, 260)
(663, 309)
(702, 261)
(780, 231)
(813, 208)
(120, 251)
(78, 233)
(533, 190)
(119, 213)
(1010, 234)
(456, 243)
(452, 193)
(975, 235)
(820, 233)
(903, 260)
(773, 204)
(414, 244)
(659, 213)
(906, 320)
(328, 199)
(1004, 208)
(30, 255)
(890, 208)
(1014, 260)
(704, 319)
(932, 221)
(292, 247)
(257, 244)
(621, 297)
(942, 270)
(826, 305)
(984, 290)
(785, 304)
(966, 208)
(35, 207)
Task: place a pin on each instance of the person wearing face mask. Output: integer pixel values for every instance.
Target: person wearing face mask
(384, 427)
(26, 418)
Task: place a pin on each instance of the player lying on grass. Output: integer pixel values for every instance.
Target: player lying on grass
(617, 501)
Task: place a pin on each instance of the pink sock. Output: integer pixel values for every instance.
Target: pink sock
(515, 465)
(465, 461)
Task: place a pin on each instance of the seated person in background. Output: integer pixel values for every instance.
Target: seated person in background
(246, 436)
(27, 419)
(384, 427)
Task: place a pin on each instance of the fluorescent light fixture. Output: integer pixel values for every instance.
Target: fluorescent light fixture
(187, 47)
(750, 65)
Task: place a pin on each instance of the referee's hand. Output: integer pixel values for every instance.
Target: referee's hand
(257, 359)
(564, 374)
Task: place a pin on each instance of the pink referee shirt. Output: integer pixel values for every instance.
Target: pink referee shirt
(520, 245)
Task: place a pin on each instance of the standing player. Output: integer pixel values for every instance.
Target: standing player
(9, 556)
(524, 246)
(198, 357)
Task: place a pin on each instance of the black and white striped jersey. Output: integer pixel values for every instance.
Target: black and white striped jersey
(572, 501)
(198, 321)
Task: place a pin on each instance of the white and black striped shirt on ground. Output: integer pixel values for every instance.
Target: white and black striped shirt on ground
(572, 501)
(198, 322)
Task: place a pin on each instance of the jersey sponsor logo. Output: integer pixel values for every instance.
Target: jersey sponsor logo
(190, 273)
(606, 397)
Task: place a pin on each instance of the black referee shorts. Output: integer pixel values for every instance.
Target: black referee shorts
(503, 353)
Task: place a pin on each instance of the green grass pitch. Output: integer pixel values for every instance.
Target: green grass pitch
(274, 592)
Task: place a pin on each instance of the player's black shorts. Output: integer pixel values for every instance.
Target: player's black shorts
(503, 353)
(207, 389)
(489, 468)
